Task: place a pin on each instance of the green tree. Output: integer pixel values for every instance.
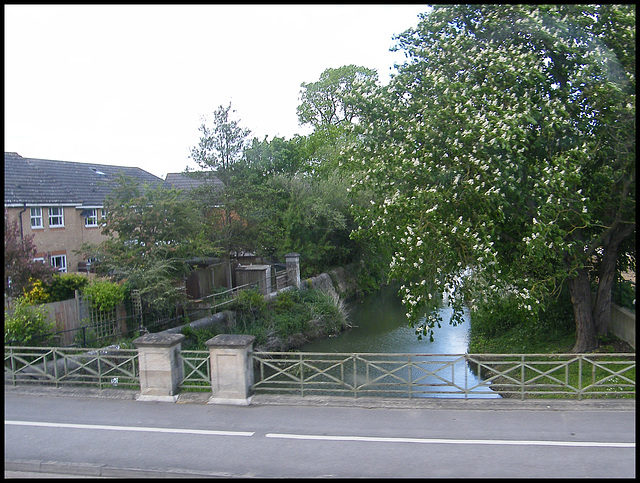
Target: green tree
(333, 99)
(221, 145)
(501, 159)
(151, 230)
(291, 202)
(20, 268)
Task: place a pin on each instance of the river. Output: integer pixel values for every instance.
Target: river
(380, 326)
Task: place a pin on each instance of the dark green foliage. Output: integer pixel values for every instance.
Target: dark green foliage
(250, 303)
(303, 314)
(64, 285)
(624, 294)
(506, 328)
(197, 338)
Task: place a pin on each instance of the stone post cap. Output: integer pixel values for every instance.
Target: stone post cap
(158, 340)
(292, 255)
(230, 341)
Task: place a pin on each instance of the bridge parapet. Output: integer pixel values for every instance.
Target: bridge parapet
(231, 369)
(161, 367)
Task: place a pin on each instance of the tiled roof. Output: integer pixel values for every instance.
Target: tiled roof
(185, 182)
(45, 181)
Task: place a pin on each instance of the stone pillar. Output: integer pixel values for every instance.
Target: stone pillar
(231, 369)
(293, 269)
(161, 370)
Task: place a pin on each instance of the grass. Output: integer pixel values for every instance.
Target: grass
(547, 376)
(561, 376)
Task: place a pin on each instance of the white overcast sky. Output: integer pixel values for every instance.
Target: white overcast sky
(128, 85)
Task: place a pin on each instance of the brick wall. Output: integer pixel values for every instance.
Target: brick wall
(59, 241)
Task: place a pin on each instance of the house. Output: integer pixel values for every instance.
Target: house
(61, 203)
(187, 183)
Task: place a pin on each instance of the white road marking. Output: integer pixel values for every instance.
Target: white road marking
(371, 439)
(374, 439)
(130, 428)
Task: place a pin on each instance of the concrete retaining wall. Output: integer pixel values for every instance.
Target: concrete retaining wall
(623, 324)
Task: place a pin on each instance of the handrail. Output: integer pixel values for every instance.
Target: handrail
(107, 367)
(424, 375)
(355, 374)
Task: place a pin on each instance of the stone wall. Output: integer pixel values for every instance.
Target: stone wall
(339, 281)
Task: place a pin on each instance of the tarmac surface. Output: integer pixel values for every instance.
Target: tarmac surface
(26, 468)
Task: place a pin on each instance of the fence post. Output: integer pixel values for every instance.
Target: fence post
(231, 369)
(161, 368)
(293, 268)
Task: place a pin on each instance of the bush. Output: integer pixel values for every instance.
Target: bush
(287, 324)
(26, 324)
(197, 338)
(64, 285)
(104, 295)
(251, 302)
(503, 327)
(497, 319)
(37, 293)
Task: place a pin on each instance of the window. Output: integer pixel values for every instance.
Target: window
(56, 217)
(60, 262)
(91, 218)
(36, 217)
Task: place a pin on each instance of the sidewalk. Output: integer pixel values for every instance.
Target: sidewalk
(346, 401)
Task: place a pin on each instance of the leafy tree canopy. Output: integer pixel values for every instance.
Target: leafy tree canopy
(501, 158)
(332, 100)
(152, 232)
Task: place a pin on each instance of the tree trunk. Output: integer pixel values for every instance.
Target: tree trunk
(581, 300)
(602, 308)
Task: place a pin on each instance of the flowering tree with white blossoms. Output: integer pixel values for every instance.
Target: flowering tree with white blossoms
(501, 159)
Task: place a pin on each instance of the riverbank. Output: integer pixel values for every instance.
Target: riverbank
(286, 322)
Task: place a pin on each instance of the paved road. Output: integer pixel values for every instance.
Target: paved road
(321, 438)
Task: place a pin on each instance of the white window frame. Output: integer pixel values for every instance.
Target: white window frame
(93, 218)
(36, 217)
(59, 215)
(62, 266)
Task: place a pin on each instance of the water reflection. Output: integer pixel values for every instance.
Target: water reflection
(380, 326)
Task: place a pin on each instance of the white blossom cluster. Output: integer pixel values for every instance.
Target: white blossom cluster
(467, 131)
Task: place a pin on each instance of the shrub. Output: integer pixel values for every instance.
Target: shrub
(64, 285)
(287, 324)
(26, 324)
(37, 293)
(197, 338)
(104, 295)
(251, 302)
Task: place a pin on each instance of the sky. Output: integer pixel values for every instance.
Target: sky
(129, 85)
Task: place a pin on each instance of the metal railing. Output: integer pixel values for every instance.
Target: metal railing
(364, 374)
(544, 375)
(226, 297)
(102, 368)
(197, 371)
(446, 375)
